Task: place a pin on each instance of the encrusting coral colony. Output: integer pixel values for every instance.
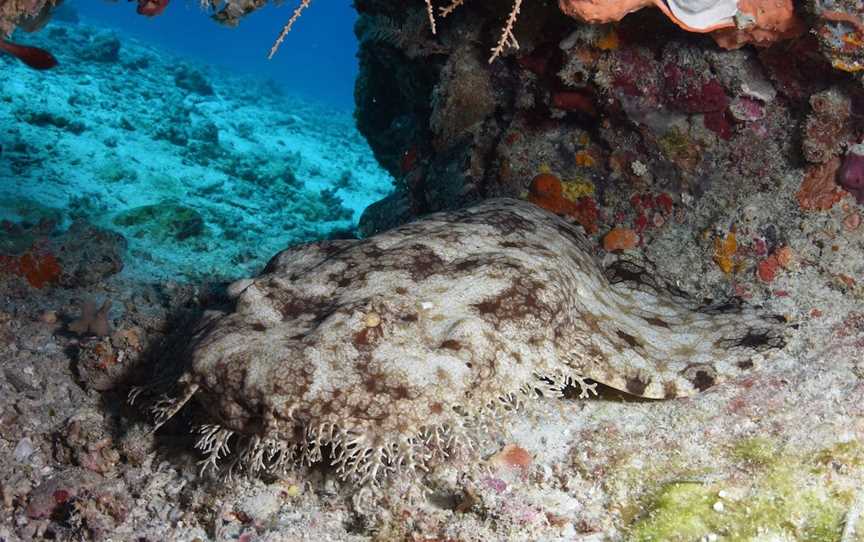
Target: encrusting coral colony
(647, 198)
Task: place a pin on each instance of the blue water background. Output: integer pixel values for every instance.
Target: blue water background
(99, 137)
(317, 59)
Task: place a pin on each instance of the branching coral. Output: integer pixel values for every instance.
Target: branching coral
(506, 40)
(287, 28)
(762, 22)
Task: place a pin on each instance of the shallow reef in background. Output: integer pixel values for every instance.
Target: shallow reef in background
(206, 174)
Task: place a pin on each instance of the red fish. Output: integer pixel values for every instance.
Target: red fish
(36, 58)
(151, 8)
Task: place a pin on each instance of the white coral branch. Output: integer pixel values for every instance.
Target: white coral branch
(287, 28)
(447, 10)
(507, 38)
(430, 12)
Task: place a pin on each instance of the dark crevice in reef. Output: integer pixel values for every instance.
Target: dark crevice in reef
(392, 93)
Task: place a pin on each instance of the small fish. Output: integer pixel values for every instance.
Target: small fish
(36, 58)
(151, 8)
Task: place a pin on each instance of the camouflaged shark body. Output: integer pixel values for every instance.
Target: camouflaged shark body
(382, 347)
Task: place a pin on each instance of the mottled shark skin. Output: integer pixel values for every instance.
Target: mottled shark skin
(383, 347)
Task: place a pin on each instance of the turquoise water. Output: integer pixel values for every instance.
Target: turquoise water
(317, 60)
(179, 134)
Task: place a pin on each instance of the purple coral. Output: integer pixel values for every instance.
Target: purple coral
(851, 174)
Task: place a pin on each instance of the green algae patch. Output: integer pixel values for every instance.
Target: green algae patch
(162, 221)
(755, 451)
(115, 171)
(688, 511)
(640, 479)
(788, 498)
(848, 455)
(679, 511)
(677, 147)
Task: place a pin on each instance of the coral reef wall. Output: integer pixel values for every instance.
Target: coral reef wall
(642, 121)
